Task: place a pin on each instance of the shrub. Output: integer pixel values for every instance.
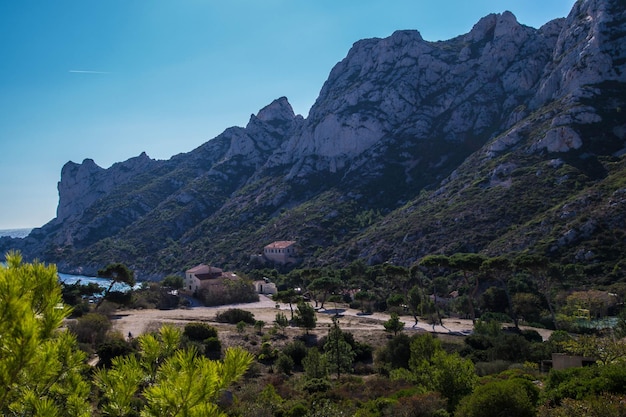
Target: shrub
(494, 397)
(297, 351)
(298, 410)
(492, 367)
(602, 406)
(234, 316)
(230, 292)
(213, 348)
(430, 404)
(312, 385)
(241, 327)
(395, 354)
(284, 364)
(90, 328)
(199, 331)
(580, 383)
(112, 348)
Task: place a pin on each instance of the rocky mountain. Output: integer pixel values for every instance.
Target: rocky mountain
(507, 138)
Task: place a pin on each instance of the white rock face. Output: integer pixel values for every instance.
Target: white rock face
(76, 188)
(83, 184)
(560, 139)
(586, 51)
(403, 86)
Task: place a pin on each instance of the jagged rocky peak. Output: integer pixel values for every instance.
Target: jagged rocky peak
(405, 86)
(83, 184)
(76, 180)
(136, 162)
(263, 134)
(278, 110)
(590, 49)
(355, 108)
(494, 25)
(86, 168)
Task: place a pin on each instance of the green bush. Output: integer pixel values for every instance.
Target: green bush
(601, 406)
(297, 351)
(199, 331)
(90, 329)
(112, 348)
(492, 367)
(580, 383)
(395, 354)
(498, 398)
(284, 364)
(213, 348)
(234, 316)
(298, 410)
(312, 385)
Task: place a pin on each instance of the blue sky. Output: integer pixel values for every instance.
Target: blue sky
(110, 79)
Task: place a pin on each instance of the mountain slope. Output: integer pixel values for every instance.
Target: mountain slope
(507, 138)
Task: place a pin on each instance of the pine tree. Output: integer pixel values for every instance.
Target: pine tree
(305, 316)
(41, 368)
(338, 352)
(172, 381)
(394, 324)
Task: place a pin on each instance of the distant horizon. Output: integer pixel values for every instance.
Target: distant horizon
(16, 232)
(110, 80)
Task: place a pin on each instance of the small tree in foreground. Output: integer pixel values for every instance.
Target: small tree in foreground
(435, 369)
(41, 368)
(315, 365)
(180, 382)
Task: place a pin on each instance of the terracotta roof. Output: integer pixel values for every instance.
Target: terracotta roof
(280, 244)
(203, 269)
(218, 277)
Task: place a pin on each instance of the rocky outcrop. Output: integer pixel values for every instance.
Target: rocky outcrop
(590, 49)
(263, 134)
(81, 185)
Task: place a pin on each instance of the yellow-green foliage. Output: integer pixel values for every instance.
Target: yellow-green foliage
(166, 380)
(42, 371)
(40, 366)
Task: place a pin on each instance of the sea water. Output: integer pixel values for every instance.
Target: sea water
(85, 280)
(68, 278)
(20, 233)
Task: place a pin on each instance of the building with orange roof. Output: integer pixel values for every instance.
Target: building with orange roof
(281, 251)
(205, 276)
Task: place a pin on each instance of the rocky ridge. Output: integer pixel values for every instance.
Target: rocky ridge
(411, 146)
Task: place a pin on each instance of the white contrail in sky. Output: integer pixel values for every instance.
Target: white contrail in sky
(88, 72)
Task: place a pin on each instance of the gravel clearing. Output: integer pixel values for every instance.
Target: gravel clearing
(137, 322)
